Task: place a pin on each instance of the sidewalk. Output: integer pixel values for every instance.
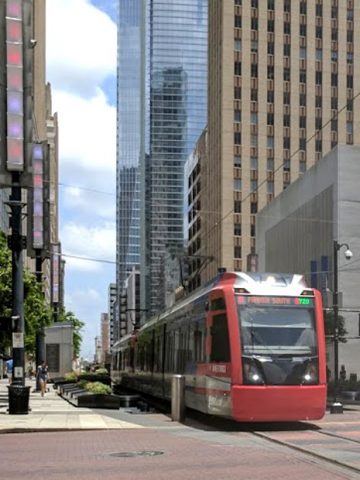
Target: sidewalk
(52, 412)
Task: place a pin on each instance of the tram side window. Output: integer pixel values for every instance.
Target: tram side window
(198, 346)
(220, 347)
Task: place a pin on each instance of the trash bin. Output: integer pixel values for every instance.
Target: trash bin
(18, 399)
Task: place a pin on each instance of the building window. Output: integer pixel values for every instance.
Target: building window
(237, 183)
(287, 28)
(270, 187)
(270, 119)
(287, 5)
(270, 142)
(286, 98)
(237, 93)
(334, 124)
(334, 103)
(286, 143)
(286, 74)
(303, 7)
(302, 122)
(318, 32)
(349, 81)
(237, 161)
(271, 4)
(237, 252)
(318, 54)
(286, 165)
(253, 186)
(287, 50)
(302, 167)
(302, 30)
(334, 34)
(253, 207)
(271, 26)
(302, 99)
(237, 206)
(318, 101)
(334, 79)
(254, 3)
(253, 163)
(286, 120)
(270, 71)
(302, 76)
(302, 53)
(334, 56)
(254, 46)
(237, 21)
(318, 146)
(270, 164)
(271, 48)
(270, 96)
(350, 105)
(318, 10)
(237, 68)
(318, 78)
(253, 118)
(254, 70)
(237, 138)
(253, 140)
(254, 23)
(237, 115)
(252, 230)
(349, 128)
(349, 57)
(302, 143)
(237, 229)
(334, 11)
(350, 36)
(237, 45)
(254, 95)
(318, 123)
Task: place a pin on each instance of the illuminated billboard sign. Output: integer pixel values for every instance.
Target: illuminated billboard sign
(14, 77)
(273, 301)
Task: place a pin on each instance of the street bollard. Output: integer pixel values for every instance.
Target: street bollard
(178, 398)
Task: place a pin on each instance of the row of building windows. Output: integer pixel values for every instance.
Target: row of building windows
(303, 7)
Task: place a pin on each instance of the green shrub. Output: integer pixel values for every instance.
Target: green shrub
(101, 371)
(71, 376)
(83, 383)
(97, 387)
(94, 377)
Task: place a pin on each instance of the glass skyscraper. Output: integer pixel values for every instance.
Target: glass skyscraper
(162, 105)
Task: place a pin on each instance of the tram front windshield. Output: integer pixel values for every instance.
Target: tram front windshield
(278, 340)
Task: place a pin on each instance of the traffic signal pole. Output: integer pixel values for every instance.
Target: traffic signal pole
(17, 244)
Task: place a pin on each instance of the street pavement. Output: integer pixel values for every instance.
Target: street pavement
(58, 441)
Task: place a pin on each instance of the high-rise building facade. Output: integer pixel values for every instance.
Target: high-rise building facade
(162, 103)
(284, 81)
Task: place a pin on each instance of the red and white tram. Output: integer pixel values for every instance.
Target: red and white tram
(251, 347)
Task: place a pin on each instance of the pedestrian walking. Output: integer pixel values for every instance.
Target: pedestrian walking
(42, 377)
(9, 369)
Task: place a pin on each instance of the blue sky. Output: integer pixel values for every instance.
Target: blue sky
(81, 67)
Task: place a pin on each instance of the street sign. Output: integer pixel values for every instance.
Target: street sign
(18, 340)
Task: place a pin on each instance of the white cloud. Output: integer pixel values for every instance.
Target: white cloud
(81, 45)
(88, 242)
(81, 57)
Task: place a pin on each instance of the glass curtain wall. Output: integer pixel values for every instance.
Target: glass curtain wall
(175, 97)
(129, 118)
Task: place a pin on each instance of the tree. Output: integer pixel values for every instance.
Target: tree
(36, 313)
(77, 325)
(330, 326)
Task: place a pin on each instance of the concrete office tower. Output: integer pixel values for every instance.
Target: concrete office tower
(105, 337)
(284, 79)
(162, 92)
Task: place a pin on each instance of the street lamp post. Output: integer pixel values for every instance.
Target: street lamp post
(337, 406)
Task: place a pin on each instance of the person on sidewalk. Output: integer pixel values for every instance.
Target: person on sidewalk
(9, 369)
(42, 377)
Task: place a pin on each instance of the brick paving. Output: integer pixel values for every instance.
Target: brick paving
(60, 441)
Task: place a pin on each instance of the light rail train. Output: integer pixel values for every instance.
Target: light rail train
(250, 345)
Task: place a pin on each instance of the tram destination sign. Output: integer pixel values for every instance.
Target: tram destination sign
(275, 301)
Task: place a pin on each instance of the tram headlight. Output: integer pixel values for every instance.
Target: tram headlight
(251, 373)
(311, 375)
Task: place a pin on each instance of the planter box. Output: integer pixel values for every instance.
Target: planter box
(81, 398)
(97, 400)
